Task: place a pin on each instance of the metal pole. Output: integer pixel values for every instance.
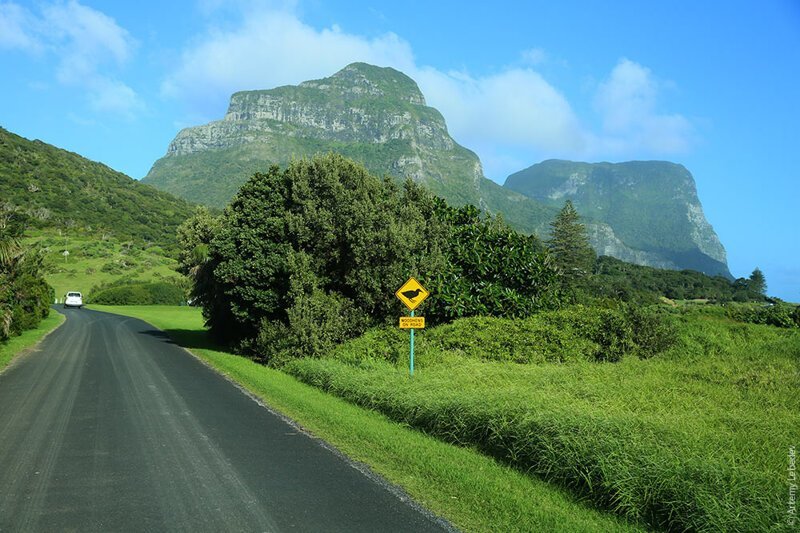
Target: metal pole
(412, 347)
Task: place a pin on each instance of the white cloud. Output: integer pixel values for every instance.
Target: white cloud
(86, 44)
(87, 39)
(17, 28)
(535, 56)
(506, 117)
(514, 107)
(107, 95)
(269, 49)
(627, 103)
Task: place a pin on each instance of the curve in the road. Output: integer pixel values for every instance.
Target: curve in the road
(108, 425)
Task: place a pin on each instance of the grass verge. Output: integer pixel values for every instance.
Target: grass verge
(474, 492)
(694, 439)
(16, 345)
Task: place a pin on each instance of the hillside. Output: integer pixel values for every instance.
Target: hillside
(374, 115)
(62, 190)
(649, 207)
(378, 116)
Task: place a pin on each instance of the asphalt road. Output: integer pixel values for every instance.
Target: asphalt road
(109, 426)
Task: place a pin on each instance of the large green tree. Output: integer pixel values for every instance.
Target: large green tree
(308, 256)
(569, 244)
(757, 282)
(313, 254)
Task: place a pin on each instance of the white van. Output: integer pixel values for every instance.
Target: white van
(73, 299)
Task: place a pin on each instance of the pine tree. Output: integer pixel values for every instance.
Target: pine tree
(569, 244)
(757, 282)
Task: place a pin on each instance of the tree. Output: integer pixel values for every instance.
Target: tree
(569, 244)
(757, 282)
(307, 257)
(318, 248)
(24, 294)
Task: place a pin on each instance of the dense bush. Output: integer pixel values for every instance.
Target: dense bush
(781, 315)
(574, 334)
(642, 284)
(490, 269)
(159, 293)
(306, 257)
(25, 296)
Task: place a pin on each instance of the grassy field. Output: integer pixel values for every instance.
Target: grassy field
(15, 345)
(473, 491)
(95, 260)
(695, 438)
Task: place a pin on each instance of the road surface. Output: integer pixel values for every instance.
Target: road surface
(109, 426)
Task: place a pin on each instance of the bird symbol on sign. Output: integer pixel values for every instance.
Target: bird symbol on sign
(411, 294)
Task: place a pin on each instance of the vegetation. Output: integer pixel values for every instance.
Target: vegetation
(25, 296)
(303, 259)
(61, 190)
(780, 314)
(96, 260)
(644, 411)
(139, 293)
(757, 283)
(14, 346)
(617, 279)
(652, 439)
(569, 245)
(474, 492)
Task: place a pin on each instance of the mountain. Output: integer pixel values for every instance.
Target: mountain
(374, 115)
(61, 189)
(644, 212)
(378, 116)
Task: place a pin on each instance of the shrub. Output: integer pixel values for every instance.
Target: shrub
(321, 247)
(159, 293)
(577, 333)
(25, 296)
(780, 315)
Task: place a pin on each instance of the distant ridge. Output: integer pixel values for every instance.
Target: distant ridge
(379, 117)
(644, 212)
(374, 115)
(58, 188)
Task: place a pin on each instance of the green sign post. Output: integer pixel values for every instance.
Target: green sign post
(412, 293)
(411, 358)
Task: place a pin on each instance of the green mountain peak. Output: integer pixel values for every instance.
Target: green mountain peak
(649, 208)
(378, 117)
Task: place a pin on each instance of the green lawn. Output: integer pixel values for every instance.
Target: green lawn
(15, 345)
(93, 260)
(473, 491)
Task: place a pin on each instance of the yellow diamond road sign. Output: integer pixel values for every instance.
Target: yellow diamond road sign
(412, 294)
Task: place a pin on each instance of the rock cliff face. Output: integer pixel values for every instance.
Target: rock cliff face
(644, 212)
(375, 115)
(378, 116)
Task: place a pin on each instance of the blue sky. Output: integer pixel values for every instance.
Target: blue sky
(714, 85)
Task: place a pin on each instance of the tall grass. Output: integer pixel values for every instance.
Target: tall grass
(693, 439)
(16, 345)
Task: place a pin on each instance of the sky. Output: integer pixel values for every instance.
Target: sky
(712, 85)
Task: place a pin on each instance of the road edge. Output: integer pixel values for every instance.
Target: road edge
(33, 346)
(365, 469)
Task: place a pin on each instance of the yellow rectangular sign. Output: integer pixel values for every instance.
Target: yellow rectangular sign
(412, 322)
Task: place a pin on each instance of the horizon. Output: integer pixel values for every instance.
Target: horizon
(710, 87)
